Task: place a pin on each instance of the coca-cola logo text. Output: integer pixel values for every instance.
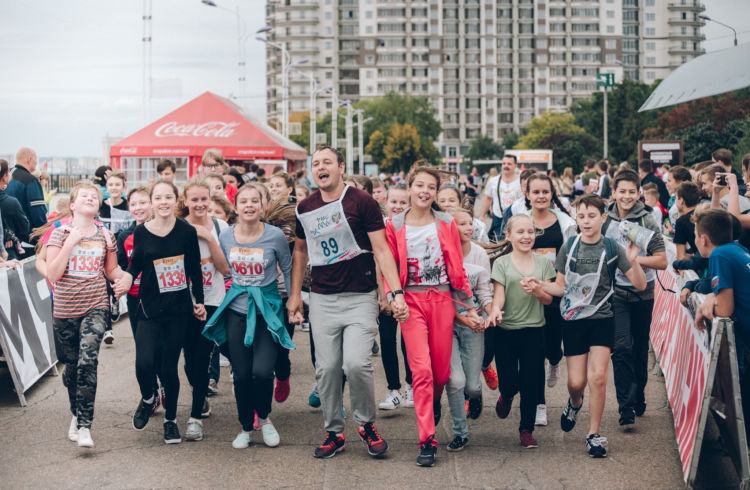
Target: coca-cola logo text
(216, 129)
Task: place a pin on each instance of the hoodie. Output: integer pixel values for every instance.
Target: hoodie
(640, 214)
(14, 220)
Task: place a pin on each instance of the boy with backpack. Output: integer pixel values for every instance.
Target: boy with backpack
(586, 286)
(632, 309)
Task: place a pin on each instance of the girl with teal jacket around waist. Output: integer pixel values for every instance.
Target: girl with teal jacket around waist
(250, 319)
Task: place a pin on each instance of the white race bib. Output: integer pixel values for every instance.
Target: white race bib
(550, 253)
(86, 259)
(170, 273)
(248, 265)
(208, 269)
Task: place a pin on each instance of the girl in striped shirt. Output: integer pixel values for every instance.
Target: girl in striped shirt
(81, 256)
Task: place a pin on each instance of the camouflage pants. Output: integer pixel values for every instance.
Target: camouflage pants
(77, 341)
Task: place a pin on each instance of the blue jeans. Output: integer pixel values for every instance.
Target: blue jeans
(496, 232)
(465, 377)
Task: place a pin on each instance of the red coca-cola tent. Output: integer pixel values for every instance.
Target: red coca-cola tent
(208, 121)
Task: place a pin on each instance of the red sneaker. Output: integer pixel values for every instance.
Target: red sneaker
(527, 439)
(502, 407)
(282, 390)
(332, 445)
(376, 446)
(466, 407)
(490, 377)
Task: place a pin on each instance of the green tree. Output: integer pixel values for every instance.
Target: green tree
(511, 139)
(625, 125)
(483, 147)
(701, 139)
(400, 147)
(571, 149)
(549, 123)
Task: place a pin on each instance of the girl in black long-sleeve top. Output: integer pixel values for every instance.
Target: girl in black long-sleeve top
(166, 254)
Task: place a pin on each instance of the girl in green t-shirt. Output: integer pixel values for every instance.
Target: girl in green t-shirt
(518, 311)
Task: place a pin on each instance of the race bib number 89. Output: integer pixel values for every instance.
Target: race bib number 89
(170, 273)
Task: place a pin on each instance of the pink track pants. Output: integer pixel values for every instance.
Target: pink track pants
(428, 334)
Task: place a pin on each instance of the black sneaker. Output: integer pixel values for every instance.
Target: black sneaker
(141, 415)
(437, 411)
(640, 409)
(569, 416)
(597, 446)
(427, 452)
(457, 444)
(332, 445)
(171, 433)
(376, 445)
(627, 418)
(475, 407)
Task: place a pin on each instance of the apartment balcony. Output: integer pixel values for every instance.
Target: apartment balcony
(676, 36)
(288, 6)
(313, 19)
(678, 51)
(688, 6)
(679, 21)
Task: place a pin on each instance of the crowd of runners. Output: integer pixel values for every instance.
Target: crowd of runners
(230, 263)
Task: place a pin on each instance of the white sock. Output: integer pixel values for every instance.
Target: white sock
(173, 420)
(150, 400)
(262, 421)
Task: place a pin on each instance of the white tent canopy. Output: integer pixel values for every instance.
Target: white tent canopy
(711, 74)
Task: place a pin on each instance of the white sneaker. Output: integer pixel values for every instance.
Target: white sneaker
(194, 430)
(305, 327)
(409, 397)
(73, 430)
(223, 361)
(242, 440)
(553, 374)
(109, 337)
(541, 415)
(391, 401)
(270, 435)
(84, 438)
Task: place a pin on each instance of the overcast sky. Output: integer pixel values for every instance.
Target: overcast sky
(72, 70)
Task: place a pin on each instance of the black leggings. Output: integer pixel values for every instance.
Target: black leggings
(388, 327)
(197, 357)
(133, 315)
(252, 367)
(489, 347)
(167, 335)
(520, 361)
(552, 339)
(283, 368)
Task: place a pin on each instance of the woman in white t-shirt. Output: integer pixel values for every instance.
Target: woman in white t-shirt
(193, 206)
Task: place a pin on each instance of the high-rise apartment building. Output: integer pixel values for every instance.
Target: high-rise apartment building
(488, 66)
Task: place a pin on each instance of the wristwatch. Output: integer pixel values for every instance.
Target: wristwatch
(392, 295)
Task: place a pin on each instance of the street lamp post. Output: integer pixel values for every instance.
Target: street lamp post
(240, 50)
(360, 139)
(313, 112)
(286, 63)
(349, 139)
(709, 19)
(605, 80)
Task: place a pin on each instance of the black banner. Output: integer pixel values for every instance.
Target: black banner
(26, 324)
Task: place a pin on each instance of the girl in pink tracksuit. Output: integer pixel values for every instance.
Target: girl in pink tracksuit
(427, 249)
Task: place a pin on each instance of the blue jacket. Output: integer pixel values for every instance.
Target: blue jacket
(27, 189)
(265, 300)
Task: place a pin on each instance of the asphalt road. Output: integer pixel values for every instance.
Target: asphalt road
(36, 452)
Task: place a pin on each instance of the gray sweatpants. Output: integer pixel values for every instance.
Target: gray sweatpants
(344, 327)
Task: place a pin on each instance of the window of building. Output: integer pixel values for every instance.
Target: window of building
(610, 44)
(650, 16)
(369, 30)
(610, 29)
(505, 43)
(650, 75)
(650, 31)
(650, 46)
(650, 3)
(609, 58)
(610, 14)
(557, 11)
(650, 60)
(541, 44)
(541, 58)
